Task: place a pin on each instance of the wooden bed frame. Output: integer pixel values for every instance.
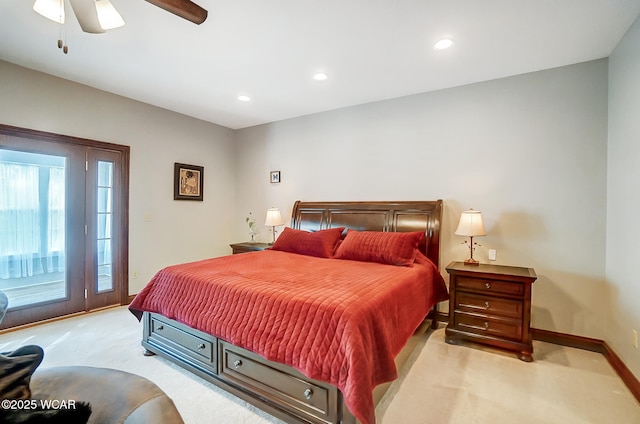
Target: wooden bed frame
(276, 388)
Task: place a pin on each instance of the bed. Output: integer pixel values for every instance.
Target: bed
(307, 329)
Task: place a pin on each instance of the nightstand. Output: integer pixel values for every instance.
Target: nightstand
(248, 247)
(491, 304)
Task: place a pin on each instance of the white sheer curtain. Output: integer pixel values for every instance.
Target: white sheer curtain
(55, 221)
(23, 249)
(19, 220)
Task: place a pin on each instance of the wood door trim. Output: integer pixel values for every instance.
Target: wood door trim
(120, 231)
(16, 133)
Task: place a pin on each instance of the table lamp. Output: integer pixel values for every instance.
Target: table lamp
(274, 218)
(471, 225)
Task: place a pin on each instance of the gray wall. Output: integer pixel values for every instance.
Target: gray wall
(623, 191)
(158, 138)
(528, 151)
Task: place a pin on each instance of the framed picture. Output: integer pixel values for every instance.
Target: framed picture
(188, 182)
(275, 176)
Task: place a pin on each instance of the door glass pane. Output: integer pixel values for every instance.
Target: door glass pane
(32, 227)
(104, 219)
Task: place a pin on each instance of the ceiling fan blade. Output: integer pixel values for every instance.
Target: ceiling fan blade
(85, 11)
(184, 8)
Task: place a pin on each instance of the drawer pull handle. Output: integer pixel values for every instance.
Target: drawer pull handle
(487, 285)
(201, 346)
(237, 364)
(486, 305)
(486, 325)
(160, 327)
(308, 394)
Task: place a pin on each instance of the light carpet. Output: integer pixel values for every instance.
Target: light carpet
(441, 384)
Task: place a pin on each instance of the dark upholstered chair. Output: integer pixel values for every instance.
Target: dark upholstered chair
(114, 396)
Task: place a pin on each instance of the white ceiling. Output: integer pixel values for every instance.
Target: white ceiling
(269, 50)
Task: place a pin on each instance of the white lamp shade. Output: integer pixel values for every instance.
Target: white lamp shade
(274, 218)
(50, 9)
(108, 15)
(471, 224)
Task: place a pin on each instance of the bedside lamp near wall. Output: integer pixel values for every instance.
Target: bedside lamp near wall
(471, 225)
(274, 218)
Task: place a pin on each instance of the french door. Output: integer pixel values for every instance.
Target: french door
(63, 226)
(105, 213)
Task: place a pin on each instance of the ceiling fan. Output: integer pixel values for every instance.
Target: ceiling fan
(97, 16)
(184, 8)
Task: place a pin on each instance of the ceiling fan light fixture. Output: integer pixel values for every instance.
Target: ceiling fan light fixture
(108, 16)
(50, 9)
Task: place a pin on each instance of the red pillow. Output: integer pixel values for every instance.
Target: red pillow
(320, 243)
(383, 247)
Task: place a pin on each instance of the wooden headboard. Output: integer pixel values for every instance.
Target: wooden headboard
(375, 216)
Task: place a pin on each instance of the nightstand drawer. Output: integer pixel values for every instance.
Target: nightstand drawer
(485, 325)
(489, 286)
(489, 305)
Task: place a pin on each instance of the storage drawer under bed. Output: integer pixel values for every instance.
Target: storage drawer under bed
(178, 338)
(278, 383)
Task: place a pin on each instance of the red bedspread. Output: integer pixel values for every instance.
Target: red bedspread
(338, 321)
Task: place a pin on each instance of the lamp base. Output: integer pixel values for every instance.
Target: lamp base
(471, 261)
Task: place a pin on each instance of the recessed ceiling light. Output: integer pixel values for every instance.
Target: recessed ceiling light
(244, 98)
(320, 76)
(443, 44)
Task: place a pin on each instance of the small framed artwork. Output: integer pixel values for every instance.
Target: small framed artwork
(188, 182)
(275, 176)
